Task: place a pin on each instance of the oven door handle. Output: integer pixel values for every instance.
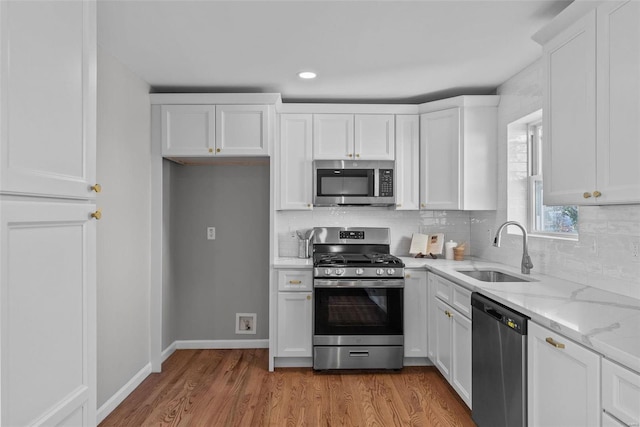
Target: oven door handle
(320, 283)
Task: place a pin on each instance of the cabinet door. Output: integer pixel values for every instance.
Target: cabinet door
(295, 171)
(407, 162)
(621, 392)
(333, 136)
(374, 137)
(294, 324)
(242, 130)
(461, 356)
(415, 314)
(188, 130)
(48, 306)
(569, 115)
(431, 316)
(618, 50)
(563, 381)
(48, 102)
(443, 339)
(440, 134)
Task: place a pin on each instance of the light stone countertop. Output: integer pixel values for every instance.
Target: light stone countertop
(605, 322)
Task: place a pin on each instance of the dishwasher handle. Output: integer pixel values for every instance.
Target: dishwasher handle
(493, 313)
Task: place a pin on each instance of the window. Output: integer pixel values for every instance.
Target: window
(552, 220)
(524, 183)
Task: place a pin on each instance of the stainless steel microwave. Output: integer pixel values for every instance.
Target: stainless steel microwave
(354, 182)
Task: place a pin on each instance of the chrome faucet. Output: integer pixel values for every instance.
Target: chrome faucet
(526, 265)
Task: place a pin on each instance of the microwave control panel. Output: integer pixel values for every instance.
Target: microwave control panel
(386, 182)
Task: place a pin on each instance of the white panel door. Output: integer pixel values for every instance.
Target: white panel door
(374, 137)
(461, 356)
(295, 160)
(415, 314)
(333, 137)
(48, 313)
(569, 115)
(563, 381)
(242, 130)
(440, 139)
(188, 130)
(618, 50)
(294, 324)
(407, 162)
(443, 339)
(48, 101)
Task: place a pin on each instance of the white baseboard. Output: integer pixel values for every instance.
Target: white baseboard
(167, 352)
(220, 344)
(293, 362)
(122, 394)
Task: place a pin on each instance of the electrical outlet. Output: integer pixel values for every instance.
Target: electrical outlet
(594, 247)
(211, 233)
(489, 235)
(634, 249)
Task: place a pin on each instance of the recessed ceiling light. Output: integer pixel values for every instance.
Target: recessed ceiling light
(307, 75)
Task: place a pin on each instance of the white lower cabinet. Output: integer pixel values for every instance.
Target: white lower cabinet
(294, 324)
(295, 309)
(415, 313)
(563, 381)
(620, 395)
(450, 334)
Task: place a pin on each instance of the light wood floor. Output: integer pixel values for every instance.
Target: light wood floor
(234, 388)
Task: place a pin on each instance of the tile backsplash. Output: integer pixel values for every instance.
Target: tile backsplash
(454, 225)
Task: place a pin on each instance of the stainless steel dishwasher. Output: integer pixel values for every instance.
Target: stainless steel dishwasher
(499, 364)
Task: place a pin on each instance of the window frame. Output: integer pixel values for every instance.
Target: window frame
(534, 176)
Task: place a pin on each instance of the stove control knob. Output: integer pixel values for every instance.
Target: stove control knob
(380, 271)
(327, 271)
(359, 271)
(339, 271)
(391, 271)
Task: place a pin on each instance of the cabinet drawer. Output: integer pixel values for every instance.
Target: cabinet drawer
(461, 300)
(621, 392)
(295, 280)
(444, 289)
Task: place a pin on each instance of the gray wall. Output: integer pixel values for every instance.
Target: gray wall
(123, 236)
(215, 279)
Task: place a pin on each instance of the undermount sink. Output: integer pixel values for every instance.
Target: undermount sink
(492, 276)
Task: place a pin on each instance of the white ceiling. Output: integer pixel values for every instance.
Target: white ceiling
(366, 51)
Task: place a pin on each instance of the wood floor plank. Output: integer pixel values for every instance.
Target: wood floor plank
(234, 388)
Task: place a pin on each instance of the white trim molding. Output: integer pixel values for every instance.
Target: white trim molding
(220, 344)
(123, 393)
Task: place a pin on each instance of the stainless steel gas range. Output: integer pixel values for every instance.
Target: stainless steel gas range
(358, 300)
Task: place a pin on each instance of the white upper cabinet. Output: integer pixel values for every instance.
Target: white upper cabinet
(48, 102)
(188, 130)
(294, 157)
(374, 136)
(407, 162)
(458, 159)
(333, 136)
(618, 107)
(353, 137)
(199, 130)
(591, 148)
(242, 130)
